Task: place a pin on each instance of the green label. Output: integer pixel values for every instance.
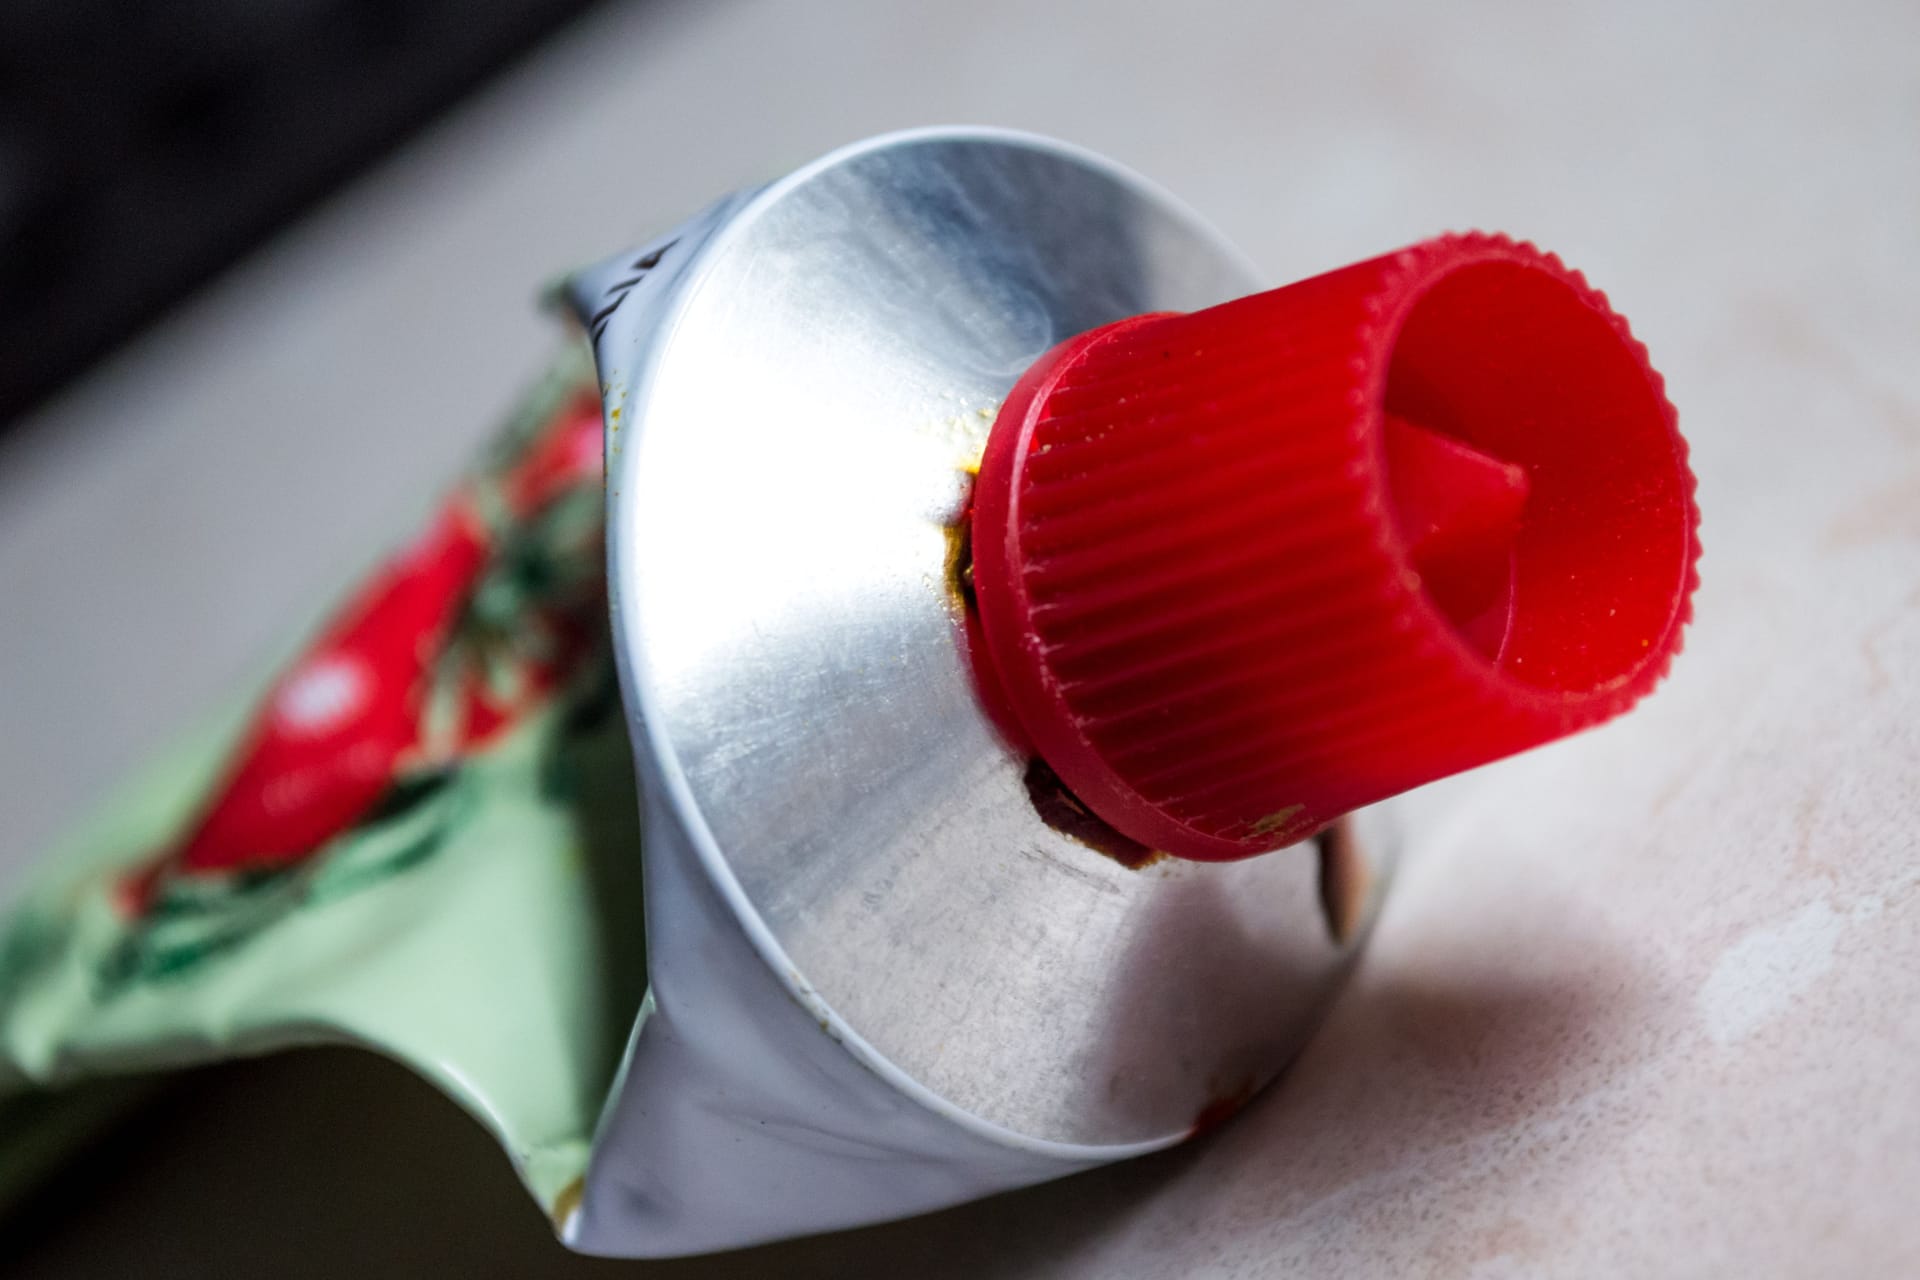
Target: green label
(423, 839)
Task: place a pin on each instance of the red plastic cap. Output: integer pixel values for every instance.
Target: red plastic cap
(1244, 570)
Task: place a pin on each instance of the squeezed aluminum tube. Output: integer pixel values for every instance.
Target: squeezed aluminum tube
(881, 983)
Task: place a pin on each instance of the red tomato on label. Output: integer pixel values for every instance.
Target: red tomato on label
(325, 745)
(351, 714)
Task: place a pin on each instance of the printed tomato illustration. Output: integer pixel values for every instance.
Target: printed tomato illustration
(449, 644)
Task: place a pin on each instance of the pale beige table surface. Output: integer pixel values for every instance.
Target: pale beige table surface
(1645, 1003)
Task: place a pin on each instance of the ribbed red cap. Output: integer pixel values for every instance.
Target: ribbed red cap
(1241, 571)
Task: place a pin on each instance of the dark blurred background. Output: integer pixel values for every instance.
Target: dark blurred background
(146, 145)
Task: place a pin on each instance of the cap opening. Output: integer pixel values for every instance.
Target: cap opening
(1517, 359)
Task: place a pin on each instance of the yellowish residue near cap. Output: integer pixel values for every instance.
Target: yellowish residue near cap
(567, 1203)
(1278, 820)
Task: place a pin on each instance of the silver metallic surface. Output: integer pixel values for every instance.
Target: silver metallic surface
(791, 460)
